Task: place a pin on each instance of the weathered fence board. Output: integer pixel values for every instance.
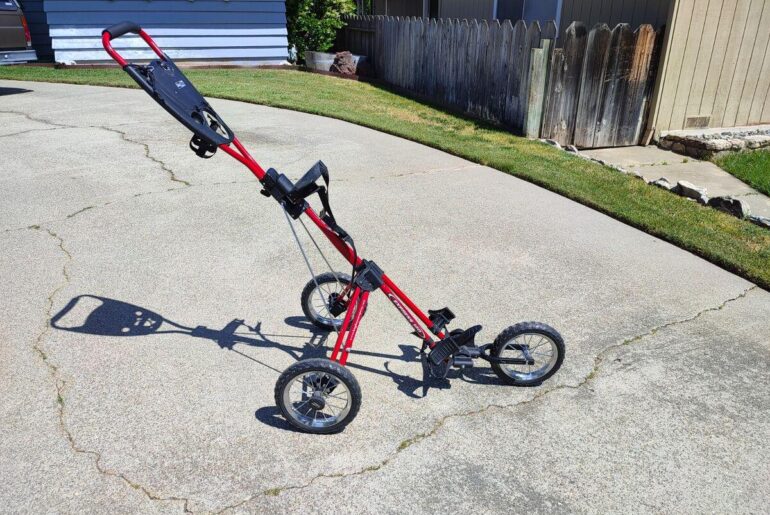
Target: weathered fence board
(532, 41)
(640, 82)
(564, 86)
(615, 85)
(537, 79)
(592, 84)
(591, 92)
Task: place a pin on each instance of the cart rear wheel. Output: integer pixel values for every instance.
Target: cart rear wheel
(543, 343)
(318, 396)
(318, 296)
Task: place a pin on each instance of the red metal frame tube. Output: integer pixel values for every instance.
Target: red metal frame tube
(411, 305)
(346, 323)
(244, 158)
(155, 48)
(363, 300)
(107, 44)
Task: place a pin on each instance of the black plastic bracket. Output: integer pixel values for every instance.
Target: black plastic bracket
(280, 187)
(439, 319)
(339, 231)
(202, 148)
(336, 304)
(368, 276)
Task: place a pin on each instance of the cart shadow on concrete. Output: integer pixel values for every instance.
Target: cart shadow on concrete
(101, 316)
(13, 91)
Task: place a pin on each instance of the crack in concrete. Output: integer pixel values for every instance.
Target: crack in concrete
(170, 171)
(405, 444)
(32, 130)
(38, 120)
(60, 384)
(123, 199)
(122, 134)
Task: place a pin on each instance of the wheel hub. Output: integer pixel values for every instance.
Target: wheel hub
(317, 401)
(336, 304)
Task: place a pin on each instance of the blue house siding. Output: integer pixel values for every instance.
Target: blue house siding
(238, 31)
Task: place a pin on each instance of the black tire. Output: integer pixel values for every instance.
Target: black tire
(307, 300)
(326, 372)
(528, 328)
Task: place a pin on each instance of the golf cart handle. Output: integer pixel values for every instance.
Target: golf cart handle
(168, 86)
(121, 29)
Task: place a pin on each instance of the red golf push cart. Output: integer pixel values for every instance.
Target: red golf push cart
(320, 395)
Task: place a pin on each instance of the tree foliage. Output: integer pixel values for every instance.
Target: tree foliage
(313, 24)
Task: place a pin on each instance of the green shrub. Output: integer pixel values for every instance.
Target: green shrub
(313, 24)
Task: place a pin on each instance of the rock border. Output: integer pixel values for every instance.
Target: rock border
(727, 204)
(714, 143)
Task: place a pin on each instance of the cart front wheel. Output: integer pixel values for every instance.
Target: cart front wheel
(539, 344)
(318, 396)
(324, 300)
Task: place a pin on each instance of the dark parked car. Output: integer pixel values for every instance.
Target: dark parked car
(15, 40)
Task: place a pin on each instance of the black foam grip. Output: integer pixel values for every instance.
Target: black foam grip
(124, 27)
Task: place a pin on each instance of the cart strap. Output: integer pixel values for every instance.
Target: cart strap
(307, 185)
(327, 215)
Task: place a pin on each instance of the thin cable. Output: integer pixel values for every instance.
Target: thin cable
(301, 248)
(336, 278)
(307, 261)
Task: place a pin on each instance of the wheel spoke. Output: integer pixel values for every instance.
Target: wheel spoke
(335, 414)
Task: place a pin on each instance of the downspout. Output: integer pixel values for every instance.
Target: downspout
(494, 10)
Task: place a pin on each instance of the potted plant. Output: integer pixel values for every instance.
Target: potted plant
(313, 26)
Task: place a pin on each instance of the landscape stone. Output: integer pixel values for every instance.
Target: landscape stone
(718, 144)
(757, 141)
(662, 183)
(731, 205)
(343, 63)
(761, 221)
(689, 190)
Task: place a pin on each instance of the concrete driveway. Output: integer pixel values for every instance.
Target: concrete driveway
(662, 405)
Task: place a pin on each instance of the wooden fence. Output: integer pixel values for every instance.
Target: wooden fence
(592, 92)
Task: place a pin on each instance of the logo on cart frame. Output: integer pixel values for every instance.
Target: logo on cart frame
(407, 315)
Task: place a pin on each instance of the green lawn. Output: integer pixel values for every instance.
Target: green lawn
(734, 244)
(753, 168)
